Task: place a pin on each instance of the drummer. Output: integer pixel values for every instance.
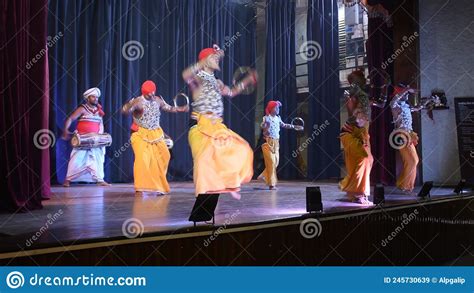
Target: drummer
(86, 165)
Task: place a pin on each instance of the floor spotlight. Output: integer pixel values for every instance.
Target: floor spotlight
(460, 187)
(313, 199)
(379, 194)
(425, 189)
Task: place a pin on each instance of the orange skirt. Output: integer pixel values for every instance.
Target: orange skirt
(222, 159)
(359, 160)
(151, 160)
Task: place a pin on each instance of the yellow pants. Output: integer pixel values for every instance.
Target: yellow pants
(359, 160)
(222, 159)
(151, 161)
(406, 179)
(271, 156)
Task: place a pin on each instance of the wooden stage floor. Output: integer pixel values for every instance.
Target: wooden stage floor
(89, 212)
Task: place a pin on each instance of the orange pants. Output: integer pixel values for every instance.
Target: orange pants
(151, 160)
(271, 156)
(359, 160)
(406, 179)
(222, 159)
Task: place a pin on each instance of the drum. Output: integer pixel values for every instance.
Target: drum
(91, 140)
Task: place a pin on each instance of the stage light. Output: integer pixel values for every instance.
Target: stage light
(379, 194)
(460, 187)
(425, 189)
(204, 207)
(313, 199)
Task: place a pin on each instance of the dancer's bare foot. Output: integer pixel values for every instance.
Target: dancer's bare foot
(103, 183)
(236, 195)
(138, 193)
(272, 188)
(363, 201)
(67, 183)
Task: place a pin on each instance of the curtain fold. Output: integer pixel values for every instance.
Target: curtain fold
(379, 48)
(25, 139)
(280, 78)
(116, 45)
(322, 52)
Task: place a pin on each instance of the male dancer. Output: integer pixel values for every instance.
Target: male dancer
(356, 141)
(402, 118)
(222, 159)
(271, 131)
(148, 140)
(86, 165)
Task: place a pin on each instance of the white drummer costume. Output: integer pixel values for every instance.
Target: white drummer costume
(87, 165)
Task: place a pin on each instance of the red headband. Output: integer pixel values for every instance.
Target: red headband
(206, 52)
(148, 87)
(271, 105)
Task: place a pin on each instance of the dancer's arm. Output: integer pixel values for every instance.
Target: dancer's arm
(76, 114)
(237, 89)
(168, 108)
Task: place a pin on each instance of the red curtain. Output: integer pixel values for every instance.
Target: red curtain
(25, 139)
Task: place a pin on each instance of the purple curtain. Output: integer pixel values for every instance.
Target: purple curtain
(24, 135)
(379, 48)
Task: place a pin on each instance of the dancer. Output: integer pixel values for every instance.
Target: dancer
(402, 119)
(271, 131)
(356, 141)
(222, 159)
(148, 140)
(86, 165)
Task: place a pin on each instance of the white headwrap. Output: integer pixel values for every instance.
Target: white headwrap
(92, 92)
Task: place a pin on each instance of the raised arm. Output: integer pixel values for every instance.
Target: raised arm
(239, 87)
(131, 106)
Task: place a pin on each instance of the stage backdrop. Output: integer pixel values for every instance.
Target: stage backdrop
(116, 45)
(322, 52)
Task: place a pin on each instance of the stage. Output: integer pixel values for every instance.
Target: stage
(88, 217)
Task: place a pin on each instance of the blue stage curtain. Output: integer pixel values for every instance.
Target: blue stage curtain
(280, 78)
(324, 152)
(168, 36)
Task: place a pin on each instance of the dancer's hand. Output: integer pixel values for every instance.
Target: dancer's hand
(298, 127)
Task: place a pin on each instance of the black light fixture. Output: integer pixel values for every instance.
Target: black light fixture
(425, 189)
(204, 207)
(460, 187)
(379, 194)
(313, 199)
